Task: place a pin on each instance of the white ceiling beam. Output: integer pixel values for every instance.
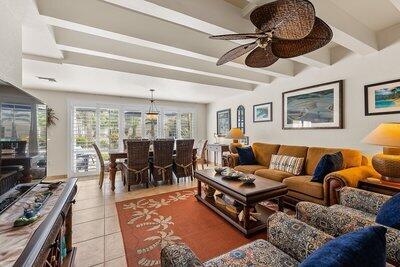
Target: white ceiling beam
(124, 25)
(67, 39)
(89, 58)
(396, 3)
(347, 31)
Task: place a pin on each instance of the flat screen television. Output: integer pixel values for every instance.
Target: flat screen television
(23, 138)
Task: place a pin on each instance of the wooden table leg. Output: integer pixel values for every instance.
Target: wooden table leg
(246, 217)
(113, 171)
(280, 204)
(198, 188)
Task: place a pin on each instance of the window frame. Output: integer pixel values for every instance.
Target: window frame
(242, 109)
(143, 108)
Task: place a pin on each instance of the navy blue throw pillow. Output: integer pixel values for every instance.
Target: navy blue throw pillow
(246, 156)
(327, 164)
(389, 213)
(365, 247)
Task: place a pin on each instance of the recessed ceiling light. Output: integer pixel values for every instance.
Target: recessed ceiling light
(47, 79)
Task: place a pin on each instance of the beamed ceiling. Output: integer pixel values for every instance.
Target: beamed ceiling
(126, 47)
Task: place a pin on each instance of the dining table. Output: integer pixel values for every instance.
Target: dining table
(114, 156)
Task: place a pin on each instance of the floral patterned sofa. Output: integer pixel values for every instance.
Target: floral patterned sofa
(290, 241)
(356, 209)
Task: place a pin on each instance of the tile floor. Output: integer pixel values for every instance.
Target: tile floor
(96, 230)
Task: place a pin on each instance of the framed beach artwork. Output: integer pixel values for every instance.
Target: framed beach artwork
(223, 122)
(315, 107)
(382, 98)
(262, 112)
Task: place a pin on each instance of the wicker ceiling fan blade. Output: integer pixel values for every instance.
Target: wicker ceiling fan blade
(289, 19)
(261, 58)
(239, 36)
(320, 36)
(236, 52)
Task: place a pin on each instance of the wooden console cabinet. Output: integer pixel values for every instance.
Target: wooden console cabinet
(43, 249)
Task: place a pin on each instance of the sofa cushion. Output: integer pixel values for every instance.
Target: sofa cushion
(359, 213)
(246, 155)
(263, 152)
(287, 163)
(351, 157)
(303, 184)
(275, 175)
(257, 253)
(250, 169)
(364, 247)
(389, 214)
(293, 151)
(327, 164)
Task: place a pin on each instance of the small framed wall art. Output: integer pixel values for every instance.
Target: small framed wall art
(262, 112)
(223, 122)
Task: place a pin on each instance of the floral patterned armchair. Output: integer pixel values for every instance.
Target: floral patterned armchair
(356, 209)
(290, 241)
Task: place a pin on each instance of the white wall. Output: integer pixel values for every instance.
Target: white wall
(58, 146)
(356, 71)
(10, 42)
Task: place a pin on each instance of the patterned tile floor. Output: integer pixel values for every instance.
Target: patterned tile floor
(96, 230)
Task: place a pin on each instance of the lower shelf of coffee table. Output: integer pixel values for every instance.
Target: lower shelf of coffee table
(254, 226)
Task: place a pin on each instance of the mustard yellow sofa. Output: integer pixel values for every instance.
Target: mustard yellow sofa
(300, 187)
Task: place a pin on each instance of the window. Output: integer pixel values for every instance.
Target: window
(109, 129)
(42, 127)
(15, 121)
(240, 123)
(186, 125)
(170, 125)
(107, 126)
(133, 124)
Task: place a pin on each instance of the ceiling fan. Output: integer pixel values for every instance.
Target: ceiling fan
(284, 29)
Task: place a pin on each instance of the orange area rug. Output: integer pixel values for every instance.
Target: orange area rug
(149, 223)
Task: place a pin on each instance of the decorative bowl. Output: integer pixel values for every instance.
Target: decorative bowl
(219, 170)
(231, 174)
(248, 179)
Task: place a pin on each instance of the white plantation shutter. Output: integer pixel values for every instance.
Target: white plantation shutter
(133, 124)
(107, 126)
(170, 125)
(186, 125)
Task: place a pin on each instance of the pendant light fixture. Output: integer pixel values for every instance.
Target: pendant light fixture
(153, 112)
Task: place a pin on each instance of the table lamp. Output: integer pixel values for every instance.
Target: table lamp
(388, 163)
(235, 134)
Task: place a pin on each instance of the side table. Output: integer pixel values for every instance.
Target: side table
(379, 186)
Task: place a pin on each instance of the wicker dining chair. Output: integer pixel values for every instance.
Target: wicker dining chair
(136, 170)
(201, 156)
(162, 162)
(104, 167)
(183, 162)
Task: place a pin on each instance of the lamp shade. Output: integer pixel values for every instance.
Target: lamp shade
(386, 134)
(235, 133)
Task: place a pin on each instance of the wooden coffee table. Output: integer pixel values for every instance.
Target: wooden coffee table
(248, 195)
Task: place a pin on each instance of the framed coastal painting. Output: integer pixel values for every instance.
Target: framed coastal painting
(315, 107)
(262, 112)
(382, 98)
(223, 122)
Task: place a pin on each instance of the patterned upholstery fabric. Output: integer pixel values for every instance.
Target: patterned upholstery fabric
(257, 253)
(179, 255)
(294, 237)
(287, 164)
(361, 213)
(289, 242)
(362, 200)
(337, 222)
